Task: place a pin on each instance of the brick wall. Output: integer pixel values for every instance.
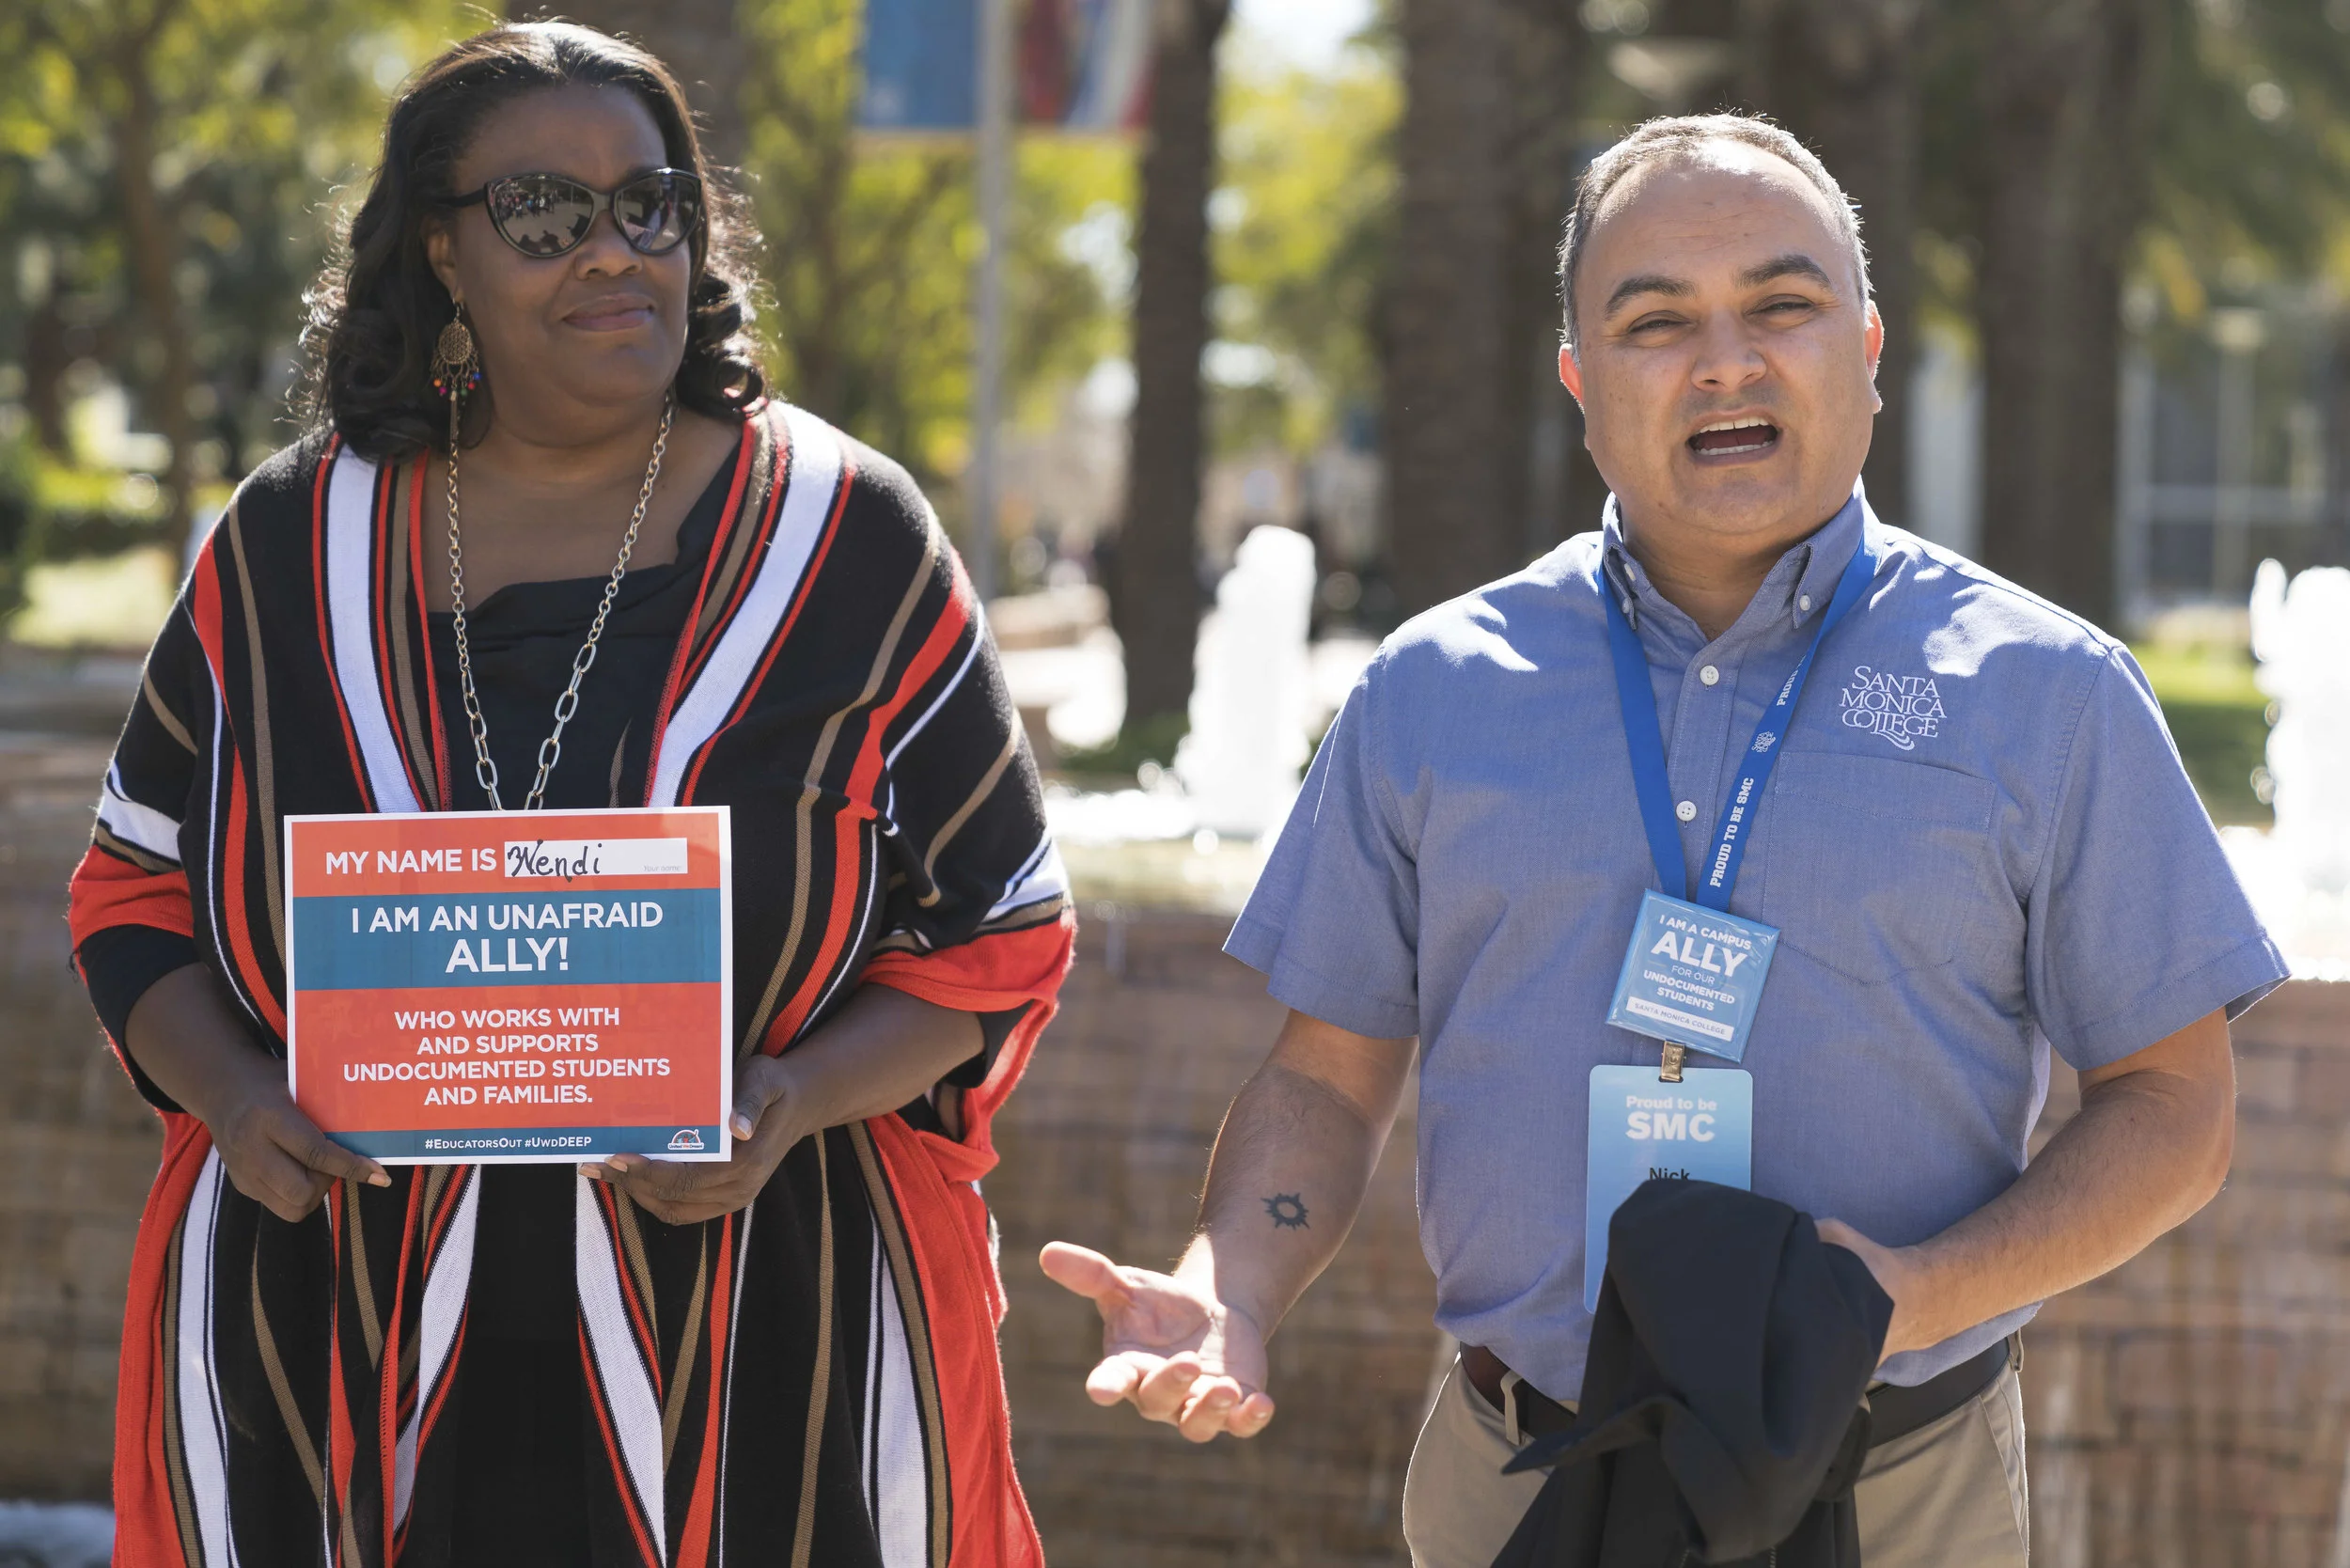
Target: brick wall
(81, 1145)
(2192, 1408)
(1105, 1145)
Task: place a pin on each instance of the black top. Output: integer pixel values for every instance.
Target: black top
(524, 638)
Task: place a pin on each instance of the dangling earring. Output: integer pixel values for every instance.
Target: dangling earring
(456, 363)
(456, 367)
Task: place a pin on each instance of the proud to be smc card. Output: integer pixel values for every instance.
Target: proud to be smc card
(481, 988)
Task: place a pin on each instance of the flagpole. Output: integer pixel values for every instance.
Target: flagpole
(995, 193)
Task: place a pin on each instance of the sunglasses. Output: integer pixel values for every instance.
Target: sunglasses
(546, 215)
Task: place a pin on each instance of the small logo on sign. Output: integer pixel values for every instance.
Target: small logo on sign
(1904, 708)
(688, 1139)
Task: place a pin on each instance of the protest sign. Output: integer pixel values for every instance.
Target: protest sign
(496, 988)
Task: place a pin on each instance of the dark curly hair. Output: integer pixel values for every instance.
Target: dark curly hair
(377, 309)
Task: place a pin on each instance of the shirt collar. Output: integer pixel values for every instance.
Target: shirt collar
(1797, 587)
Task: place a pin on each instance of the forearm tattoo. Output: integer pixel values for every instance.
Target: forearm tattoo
(1288, 1211)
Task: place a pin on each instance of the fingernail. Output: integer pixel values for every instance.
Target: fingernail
(741, 1125)
(379, 1179)
(593, 1172)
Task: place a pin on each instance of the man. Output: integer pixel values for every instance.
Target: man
(1975, 845)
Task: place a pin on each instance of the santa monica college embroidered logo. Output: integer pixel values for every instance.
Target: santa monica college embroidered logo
(1902, 708)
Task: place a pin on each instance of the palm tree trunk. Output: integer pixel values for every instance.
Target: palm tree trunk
(2069, 94)
(1539, 428)
(1449, 363)
(1841, 75)
(1154, 594)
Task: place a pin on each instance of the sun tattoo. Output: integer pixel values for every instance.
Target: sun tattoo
(1288, 1209)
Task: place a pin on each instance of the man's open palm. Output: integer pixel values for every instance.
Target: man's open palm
(1169, 1346)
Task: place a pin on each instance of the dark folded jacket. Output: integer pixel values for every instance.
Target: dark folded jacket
(1721, 1416)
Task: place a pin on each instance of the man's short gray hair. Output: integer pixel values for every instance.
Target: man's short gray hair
(1672, 138)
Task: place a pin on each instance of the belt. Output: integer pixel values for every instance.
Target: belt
(1893, 1412)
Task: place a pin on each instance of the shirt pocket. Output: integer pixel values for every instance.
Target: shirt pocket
(1876, 867)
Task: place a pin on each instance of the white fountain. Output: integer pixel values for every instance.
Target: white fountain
(2299, 873)
(1197, 833)
(1252, 688)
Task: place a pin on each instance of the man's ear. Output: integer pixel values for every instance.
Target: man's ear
(1570, 374)
(1873, 344)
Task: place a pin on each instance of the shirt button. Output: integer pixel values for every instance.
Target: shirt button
(1686, 810)
(1804, 603)
(1709, 675)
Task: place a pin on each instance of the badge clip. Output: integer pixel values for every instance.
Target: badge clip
(1670, 1072)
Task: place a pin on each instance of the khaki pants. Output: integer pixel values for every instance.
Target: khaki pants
(1951, 1495)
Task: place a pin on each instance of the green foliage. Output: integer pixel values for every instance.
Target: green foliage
(871, 247)
(2252, 152)
(261, 109)
(2249, 175)
(71, 512)
(1304, 218)
(2220, 721)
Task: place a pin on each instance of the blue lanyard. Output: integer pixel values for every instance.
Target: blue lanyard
(1647, 743)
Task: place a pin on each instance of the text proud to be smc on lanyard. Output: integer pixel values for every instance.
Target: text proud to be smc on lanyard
(508, 988)
(1693, 972)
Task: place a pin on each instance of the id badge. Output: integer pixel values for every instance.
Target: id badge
(1700, 1128)
(1693, 976)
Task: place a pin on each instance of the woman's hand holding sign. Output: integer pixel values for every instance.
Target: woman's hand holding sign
(769, 1117)
(881, 1051)
(184, 1037)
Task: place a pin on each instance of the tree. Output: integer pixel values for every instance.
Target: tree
(2071, 147)
(194, 141)
(1154, 596)
(697, 41)
(2069, 95)
(1448, 362)
(1539, 425)
(1844, 76)
(1478, 433)
(1307, 172)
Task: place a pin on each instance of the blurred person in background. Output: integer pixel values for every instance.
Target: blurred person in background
(1978, 846)
(540, 326)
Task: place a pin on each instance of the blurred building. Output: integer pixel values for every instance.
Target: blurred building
(2234, 447)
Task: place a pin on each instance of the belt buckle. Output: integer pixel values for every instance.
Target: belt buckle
(1509, 1428)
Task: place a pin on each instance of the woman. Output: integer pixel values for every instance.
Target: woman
(659, 589)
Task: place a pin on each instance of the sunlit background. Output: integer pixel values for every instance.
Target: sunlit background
(1291, 310)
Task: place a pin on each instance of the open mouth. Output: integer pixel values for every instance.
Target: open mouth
(1728, 438)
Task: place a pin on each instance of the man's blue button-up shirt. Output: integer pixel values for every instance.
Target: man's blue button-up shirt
(1978, 845)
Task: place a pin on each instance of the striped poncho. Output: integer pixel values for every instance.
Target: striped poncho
(811, 1380)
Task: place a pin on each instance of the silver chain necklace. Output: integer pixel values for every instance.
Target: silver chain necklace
(551, 749)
